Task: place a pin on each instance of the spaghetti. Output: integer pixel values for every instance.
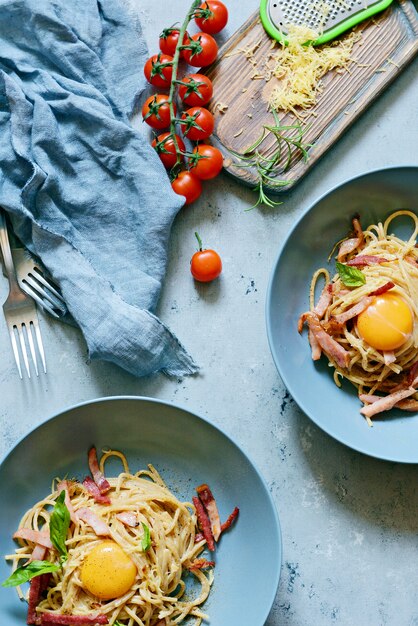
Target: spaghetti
(366, 319)
(154, 536)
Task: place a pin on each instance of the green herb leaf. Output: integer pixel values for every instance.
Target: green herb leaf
(350, 276)
(146, 538)
(59, 525)
(26, 572)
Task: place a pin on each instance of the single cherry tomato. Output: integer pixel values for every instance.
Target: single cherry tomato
(158, 70)
(166, 149)
(203, 50)
(198, 90)
(169, 39)
(206, 265)
(206, 162)
(198, 123)
(213, 16)
(156, 111)
(188, 186)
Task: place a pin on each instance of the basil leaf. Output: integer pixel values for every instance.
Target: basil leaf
(350, 276)
(146, 538)
(59, 525)
(26, 572)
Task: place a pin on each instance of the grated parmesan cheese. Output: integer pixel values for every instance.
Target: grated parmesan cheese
(300, 68)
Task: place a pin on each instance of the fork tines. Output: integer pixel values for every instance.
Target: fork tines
(22, 334)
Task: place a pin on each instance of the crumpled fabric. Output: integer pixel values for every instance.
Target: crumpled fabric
(85, 191)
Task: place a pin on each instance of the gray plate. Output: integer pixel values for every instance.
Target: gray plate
(187, 451)
(374, 196)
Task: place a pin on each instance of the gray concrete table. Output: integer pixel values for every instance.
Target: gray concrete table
(349, 522)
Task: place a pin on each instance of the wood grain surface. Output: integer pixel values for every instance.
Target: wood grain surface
(388, 43)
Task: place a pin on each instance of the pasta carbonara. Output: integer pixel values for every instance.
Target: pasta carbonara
(366, 318)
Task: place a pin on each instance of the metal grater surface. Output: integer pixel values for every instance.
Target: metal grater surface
(319, 15)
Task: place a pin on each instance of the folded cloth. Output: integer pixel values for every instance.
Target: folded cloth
(85, 191)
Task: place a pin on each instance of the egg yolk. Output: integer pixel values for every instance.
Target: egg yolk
(387, 323)
(107, 571)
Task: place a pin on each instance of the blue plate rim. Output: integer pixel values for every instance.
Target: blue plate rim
(219, 430)
(267, 308)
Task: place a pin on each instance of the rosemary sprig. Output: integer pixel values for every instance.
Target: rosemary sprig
(288, 141)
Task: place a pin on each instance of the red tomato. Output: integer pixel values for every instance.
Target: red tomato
(203, 52)
(169, 39)
(156, 111)
(213, 16)
(198, 90)
(158, 70)
(166, 148)
(206, 265)
(198, 123)
(188, 186)
(210, 163)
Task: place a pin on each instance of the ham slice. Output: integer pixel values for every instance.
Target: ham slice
(98, 525)
(230, 519)
(33, 600)
(383, 289)
(315, 347)
(353, 311)
(409, 404)
(349, 245)
(387, 402)
(38, 553)
(52, 619)
(64, 486)
(209, 502)
(93, 489)
(98, 476)
(204, 523)
(327, 343)
(389, 357)
(36, 536)
(128, 518)
(361, 260)
(324, 301)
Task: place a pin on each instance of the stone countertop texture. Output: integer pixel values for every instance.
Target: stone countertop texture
(349, 522)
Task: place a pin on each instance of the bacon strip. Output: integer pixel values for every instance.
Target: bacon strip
(204, 523)
(64, 486)
(127, 518)
(52, 619)
(33, 600)
(324, 301)
(94, 491)
(98, 476)
(209, 502)
(383, 289)
(327, 343)
(230, 519)
(37, 536)
(100, 528)
(353, 311)
(361, 260)
(349, 245)
(200, 564)
(387, 402)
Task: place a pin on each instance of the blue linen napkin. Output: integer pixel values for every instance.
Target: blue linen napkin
(85, 191)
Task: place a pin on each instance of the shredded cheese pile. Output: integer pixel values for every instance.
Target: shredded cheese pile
(300, 68)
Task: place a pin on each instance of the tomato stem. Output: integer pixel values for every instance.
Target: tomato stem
(173, 85)
(199, 241)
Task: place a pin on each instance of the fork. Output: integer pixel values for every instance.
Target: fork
(19, 311)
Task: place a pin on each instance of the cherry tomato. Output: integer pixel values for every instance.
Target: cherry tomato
(156, 111)
(166, 148)
(206, 265)
(158, 70)
(203, 52)
(214, 16)
(188, 186)
(210, 163)
(169, 38)
(198, 91)
(198, 123)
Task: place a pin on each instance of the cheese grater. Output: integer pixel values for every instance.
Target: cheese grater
(328, 18)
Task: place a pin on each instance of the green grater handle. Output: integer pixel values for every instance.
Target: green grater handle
(330, 34)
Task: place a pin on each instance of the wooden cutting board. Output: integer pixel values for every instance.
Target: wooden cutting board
(388, 43)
